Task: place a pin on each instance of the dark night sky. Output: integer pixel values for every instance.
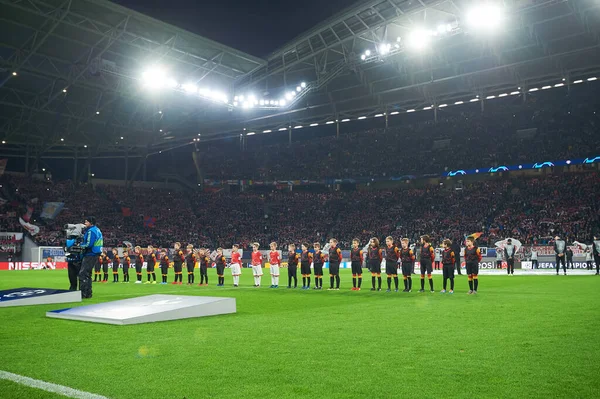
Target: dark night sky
(257, 27)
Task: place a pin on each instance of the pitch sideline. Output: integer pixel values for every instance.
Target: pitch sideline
(48, 386)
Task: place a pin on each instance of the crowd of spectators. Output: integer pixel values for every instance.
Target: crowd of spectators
(530, 209)
(566, 129)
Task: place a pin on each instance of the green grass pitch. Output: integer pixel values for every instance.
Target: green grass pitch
(520, 337)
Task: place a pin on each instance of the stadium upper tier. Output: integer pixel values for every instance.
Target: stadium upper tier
(530, 209)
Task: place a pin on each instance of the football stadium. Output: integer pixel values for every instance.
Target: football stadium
(343, 199)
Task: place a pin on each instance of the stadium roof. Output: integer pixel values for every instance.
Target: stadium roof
(70, 69)
(96, 50)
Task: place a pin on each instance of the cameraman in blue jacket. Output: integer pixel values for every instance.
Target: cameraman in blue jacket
(92, 245)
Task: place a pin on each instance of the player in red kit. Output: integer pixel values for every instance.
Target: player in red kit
(256, 265)
(356, 257)
(236, 265)
(427, 257)
(115, 265)
(472, 259)
(275, 262)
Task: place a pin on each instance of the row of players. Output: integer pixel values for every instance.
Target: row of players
(396, 258)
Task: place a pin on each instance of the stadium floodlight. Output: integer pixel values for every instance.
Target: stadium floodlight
(459, 102)
(190, 88)
(378, 115)
(533, 89)
(514, 93)
(368, 53)
(314, 124)
(235, 98)
(298, 89)
(97, 112)
(578, 81)
(559, 85)
(250, 134)
(408, 111)
(476, 170)
(384, 48)
(262, 102)
(283, 129)
(85, 146)
(546, 87)
(442, 105)
(345, 120)
(592, 79)
(3, 141)
(443, 29)
(397, 46)
(276, 103)
(361, 118)
(160, 130)
(419, 39)
(329, 122)
(62, 139)
(303, 85)
(267, 131)
(485, 17)
(426, 108)
(298, 127)
(502, 94)
(14, 73)
(283, 103)
(289, 96)
(394, 113)
(490, 97)
(64, 90)
(235, 103)
(474, 100)
(363, 57)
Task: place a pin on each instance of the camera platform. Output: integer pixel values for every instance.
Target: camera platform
(37, 296)
(148, 309)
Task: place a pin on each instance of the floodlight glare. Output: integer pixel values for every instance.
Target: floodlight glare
(262, 102)
(368, 53)
(303, 85)
(171, 83)
(298, 89)
(288, 96)
(190, 88)
(419, 39)
(282, 103)
(363, 57)
(485, 17)
(384, 49)
(154, 78)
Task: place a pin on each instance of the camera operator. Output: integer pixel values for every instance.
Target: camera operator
(74, 234)
(92, 245)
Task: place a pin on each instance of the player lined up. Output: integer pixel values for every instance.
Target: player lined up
(396, 258)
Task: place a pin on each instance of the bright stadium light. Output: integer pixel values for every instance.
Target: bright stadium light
(394, 113)
(190, 88)
(378, 115)
(410, 110)
(267, 131)
(502, 94)
(298, 89)
(314, 124)
(283, 103)
(442, 105)
(281, 129)
(459, 102)
(361, 118)
(345, 120)
(426, 108)
(485, 17)
(443, 29)
(578, 81)
(171, 83)
(490, 97)
(384, 48)
(546, 87)
(250, 134)
(559, 85)
(514, 93)
(593, 78)
(303, 85)
(288, 96)
(329, 122)
(298, 127)
(533, 89)
(262, 102)
(419, 39)
(474, 100)
(368, 53)
(363, 57)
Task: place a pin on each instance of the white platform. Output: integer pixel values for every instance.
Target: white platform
(37, 296)
(148, 309)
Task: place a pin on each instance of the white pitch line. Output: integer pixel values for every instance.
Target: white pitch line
(48, 386)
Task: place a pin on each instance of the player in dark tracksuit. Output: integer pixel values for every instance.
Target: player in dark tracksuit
(335, 258)
(220, 263)
(105, 262)
(292, 266)
(306, 259)
(115, 265)
(318, 262)
(126, 265)
(426, 260)
(164, 266)
(569, 255)
(356, 259)
(448, 265)
(150, 264)
(407, 257)
(204, 262)
(190, 263)
(374, 259)
(98, 268)
(139, 263)
(596, 253)
(392, 256)
(472, 259)
(178, 259)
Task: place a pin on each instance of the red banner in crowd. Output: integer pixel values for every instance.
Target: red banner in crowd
(32, 265)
